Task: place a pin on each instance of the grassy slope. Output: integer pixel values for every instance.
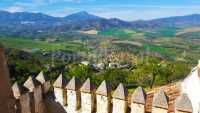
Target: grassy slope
(28, 44)
(188, 30)
(118, 33)
(159, 49)
(162, 32)
(171, 47)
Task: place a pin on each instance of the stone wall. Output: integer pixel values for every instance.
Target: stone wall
(35, 96)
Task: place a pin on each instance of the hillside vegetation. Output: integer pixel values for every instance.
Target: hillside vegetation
(147, 53)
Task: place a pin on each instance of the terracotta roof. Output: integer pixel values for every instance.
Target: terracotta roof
(139, 96)
(183, 103)
(120, 92)
(104, 89)
(60, 82)
(87, 87)
(74, 84)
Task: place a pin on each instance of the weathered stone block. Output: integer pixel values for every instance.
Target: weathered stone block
(103, 104)
(120, 99)
(87, 97)
(119, 106)
(44, 81)
(58, 92)
(73, 101)
(160, 103)
(138, 101)
(73, 94)
(25, 105)
(87, 103)
(38, 100)
(183, 104)
(159, 110)
(137, 108)
(103, 97)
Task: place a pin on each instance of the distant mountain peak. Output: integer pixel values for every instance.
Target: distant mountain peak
(82, 15)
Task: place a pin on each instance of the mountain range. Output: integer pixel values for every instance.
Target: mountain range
(26, 23)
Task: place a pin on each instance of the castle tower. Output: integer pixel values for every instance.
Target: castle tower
(35, 90)
(103, 97)
(160, 103)
(60, 92)
(120, 96)
(87, 97)
(73, 95)
(138, 101)
(44, 81)
(183, 104)
(6, 97)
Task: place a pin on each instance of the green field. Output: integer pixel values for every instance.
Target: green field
(119, 33)
(176, 54)
(159, 49)
(162, 32)
(29, 45)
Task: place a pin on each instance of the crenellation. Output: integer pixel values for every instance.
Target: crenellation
(138, 101)
(103, 98)
(160, 103)
(59, 90)
(120, 96)
(183, 104)
(17, 90)
(74, 96)
(35, 90)
(87, 97)
(44, 81)
(38, 100)
(25, 103)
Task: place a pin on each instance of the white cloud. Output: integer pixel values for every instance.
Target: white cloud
(14, 9)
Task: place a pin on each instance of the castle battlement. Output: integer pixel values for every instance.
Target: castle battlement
(37, 95)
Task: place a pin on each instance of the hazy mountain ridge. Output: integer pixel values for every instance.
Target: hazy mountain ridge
(176, 21)
(25, 23)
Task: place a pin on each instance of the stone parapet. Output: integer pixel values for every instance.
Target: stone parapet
(87, 99)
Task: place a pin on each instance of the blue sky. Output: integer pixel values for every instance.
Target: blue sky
(123, 9)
